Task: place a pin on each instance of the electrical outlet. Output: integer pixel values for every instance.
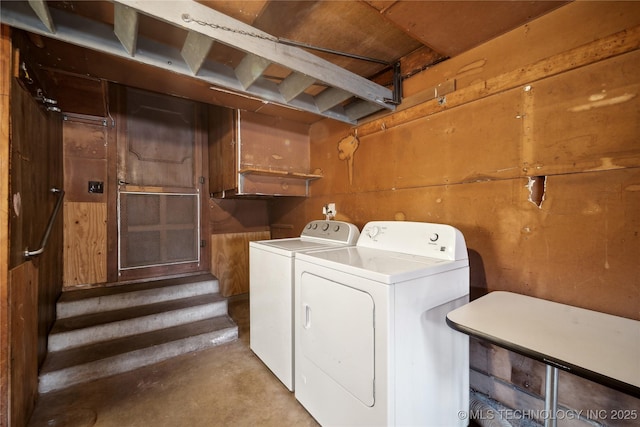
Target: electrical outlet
(329, 210)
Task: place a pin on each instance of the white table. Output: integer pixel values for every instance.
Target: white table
(597, 346)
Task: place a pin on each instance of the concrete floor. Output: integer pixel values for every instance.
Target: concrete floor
(223, 386)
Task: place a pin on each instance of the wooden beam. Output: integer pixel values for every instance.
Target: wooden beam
(42, 10)
(294, 84)
(125, 26)
(250, 69)
(195, 49)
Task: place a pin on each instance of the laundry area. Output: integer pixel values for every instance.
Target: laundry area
(335, 213)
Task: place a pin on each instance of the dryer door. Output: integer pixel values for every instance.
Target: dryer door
(337, 333)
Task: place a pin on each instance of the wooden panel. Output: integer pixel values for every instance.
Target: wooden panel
(23, 301)
(238, 215)
(575, 24)
(357, 19)
(273, 143)
(430, 151)
(160, 140)
(36, 167)
(272, 185)
(85, 159)
(6, 74)
(79, 94)
(615, 44)
(525, 131)
(585, 119)
(223, 165)
(85, 243)
(438, 23)
(230, 260)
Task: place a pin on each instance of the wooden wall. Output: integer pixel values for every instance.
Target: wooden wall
(235, 223)
(230, 260)
(535, 157)
(23, 372)
(5, 91)
(32, 286)
(85, 214)
(89, 155)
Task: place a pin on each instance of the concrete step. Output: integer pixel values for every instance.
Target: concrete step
(87, 301)
(65, 368)
(101, 326)
(110, 330)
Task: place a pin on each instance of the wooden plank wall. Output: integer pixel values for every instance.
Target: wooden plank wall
(234, 223)
(230, 260)
(5, 91)
(36, 167)
(33, 144)
(535, 157)
(85, 214)
(23, 290)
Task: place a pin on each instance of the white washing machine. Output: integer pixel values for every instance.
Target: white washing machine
(372, 345)
(271, 288)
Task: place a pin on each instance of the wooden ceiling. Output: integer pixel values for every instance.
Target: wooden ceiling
(416, 33)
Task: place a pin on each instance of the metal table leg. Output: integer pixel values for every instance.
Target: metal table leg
(551, 397)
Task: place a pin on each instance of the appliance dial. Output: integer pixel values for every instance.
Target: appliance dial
(325, 227)
(373, 231)
(434, 237)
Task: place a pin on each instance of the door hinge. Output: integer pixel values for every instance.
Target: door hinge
(203, 243)
(201, 180)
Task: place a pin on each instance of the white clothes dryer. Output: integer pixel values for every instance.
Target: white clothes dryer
(271, 288)
(372, 345)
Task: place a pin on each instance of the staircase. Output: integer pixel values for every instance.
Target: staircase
(105, 331)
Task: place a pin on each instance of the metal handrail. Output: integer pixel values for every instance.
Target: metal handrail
(45, 238)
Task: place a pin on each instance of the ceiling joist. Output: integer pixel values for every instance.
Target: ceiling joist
(348, 97)
(125, 27)
(42, 10)
(195, 50)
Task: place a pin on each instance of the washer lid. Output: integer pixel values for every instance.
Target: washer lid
(290, 246)
(379, 265)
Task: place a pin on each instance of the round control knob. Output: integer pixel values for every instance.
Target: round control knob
(309, 226)
(325, 227)
(434, 237)
(336, 228)
(315, 226)
(373, 231)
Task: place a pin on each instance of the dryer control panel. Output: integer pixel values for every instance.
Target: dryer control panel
(415, 238)
(336, 231)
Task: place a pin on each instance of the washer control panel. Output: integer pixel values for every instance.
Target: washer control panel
(338, 231)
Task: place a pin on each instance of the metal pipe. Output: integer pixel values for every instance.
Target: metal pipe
(45, 238)
(331, 51)
(551, 397)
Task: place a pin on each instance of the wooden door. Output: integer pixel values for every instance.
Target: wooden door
(160, 186)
